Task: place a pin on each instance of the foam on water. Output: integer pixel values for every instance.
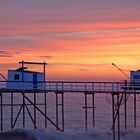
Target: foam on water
(30, 134)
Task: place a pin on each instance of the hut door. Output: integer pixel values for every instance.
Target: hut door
(35, 81)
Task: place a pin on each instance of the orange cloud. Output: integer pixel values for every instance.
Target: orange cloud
(77, 50)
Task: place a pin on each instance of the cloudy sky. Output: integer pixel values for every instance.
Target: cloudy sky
(78, 38)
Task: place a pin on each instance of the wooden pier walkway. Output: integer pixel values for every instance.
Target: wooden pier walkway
(73, 86)
(117, 90)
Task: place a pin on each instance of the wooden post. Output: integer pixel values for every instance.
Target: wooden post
(135, 113)
(113, 116)
(125, 107)
(118, 109)
(63, 111)
(56, 110)
(1, 113)
(12, 100)
(23, 106)
(86, 111)
(45, 97)
(35, 110)
(93, 108)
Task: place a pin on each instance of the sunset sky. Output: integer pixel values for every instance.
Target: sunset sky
(79, 39)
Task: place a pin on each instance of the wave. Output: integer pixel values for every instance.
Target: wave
(31, 134)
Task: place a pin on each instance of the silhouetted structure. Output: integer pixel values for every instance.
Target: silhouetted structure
(119, 92)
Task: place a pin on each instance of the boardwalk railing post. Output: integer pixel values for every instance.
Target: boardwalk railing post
(62, 86)
(92, 86)
(85, 87)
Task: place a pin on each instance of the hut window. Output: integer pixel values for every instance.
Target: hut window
(136, 77)
(16, 76)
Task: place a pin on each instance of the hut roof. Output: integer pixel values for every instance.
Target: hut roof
(27, 71)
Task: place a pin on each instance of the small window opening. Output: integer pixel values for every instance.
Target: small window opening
(16, 76)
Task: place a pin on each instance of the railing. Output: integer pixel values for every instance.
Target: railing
(72, 86)
(67, 86)
(84, 86)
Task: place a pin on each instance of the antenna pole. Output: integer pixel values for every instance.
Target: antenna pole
(120, 70)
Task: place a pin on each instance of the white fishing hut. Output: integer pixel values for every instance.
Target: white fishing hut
(22, 78)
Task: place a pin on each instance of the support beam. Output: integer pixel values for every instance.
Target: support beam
(38, 63)
(23, 107)
(125, 110)
(1, 113)
(86, 117)
(35, 110)
(118, 110)
(14, 123)
(12, 109)
(39, 110)
(119, 104)
(125, 105)
(113, 117)
(60, 103)
(135, 112)
(57, 110)
(92, 107)
(45, 100)
(34, 123)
